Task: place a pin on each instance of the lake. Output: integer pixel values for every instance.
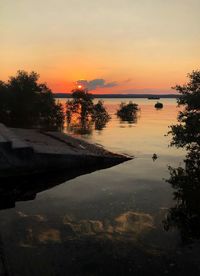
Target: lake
(111, 221)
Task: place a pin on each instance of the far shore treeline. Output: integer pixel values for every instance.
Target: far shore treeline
(119, 96)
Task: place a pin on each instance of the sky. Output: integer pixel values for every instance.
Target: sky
(112, 46)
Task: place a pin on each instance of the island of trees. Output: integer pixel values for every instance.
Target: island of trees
(128, 112)
(158, 105)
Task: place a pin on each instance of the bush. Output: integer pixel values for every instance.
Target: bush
(100, 115)
(127, 112)
(158, 105)
(86, 112)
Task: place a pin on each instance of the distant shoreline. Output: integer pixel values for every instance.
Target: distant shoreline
(118, 96)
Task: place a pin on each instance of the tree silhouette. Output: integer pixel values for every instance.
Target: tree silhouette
(100, 115)
(27, 103)
(86, 112)
(185, 215)
(158, 105)
(128, 112)
(81, 104)
(187, 131)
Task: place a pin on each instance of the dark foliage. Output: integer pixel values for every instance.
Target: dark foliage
(26, 103)
(185, 215)
(187, 131)
(158, 105)
(86, 112)
(100, 115)
(128, 112)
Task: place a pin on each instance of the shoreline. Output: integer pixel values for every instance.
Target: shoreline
(32, 152)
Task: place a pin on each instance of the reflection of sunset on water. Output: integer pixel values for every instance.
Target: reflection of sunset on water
(147, 132)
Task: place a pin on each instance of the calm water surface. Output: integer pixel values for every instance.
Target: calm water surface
(109, 222)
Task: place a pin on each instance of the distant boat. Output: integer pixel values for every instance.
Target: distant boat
(153, 98)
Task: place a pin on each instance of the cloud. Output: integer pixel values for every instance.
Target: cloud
(130, 224)
(96, 83)
(128, 80)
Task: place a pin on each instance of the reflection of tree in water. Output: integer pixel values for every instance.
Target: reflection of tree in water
(81, 127)
(185, 215)
(83, 115)
(100, 116)
(100, 122)
(86, 125)
(130, 119)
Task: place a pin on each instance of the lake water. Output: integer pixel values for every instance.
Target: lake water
(109, 222)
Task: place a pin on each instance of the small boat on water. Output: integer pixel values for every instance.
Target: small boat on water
(153, 98)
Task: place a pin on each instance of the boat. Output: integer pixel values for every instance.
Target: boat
(153, 98)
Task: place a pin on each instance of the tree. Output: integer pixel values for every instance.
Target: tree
(185, 215)
(4, 103)
(87, 113)
(159, 105)
(100, 116)
(27, 103)
(128, 112)
(187, 132)
(80, 104)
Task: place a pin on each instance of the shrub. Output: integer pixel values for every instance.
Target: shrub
(158, 105)
(127, 112)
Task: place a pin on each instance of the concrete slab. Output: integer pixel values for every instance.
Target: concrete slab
(34, 151)
(9, 136)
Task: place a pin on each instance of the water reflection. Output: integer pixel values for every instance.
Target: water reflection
(125, 227)
(80, 127)
(128, 112)
(185, 181)
(132, 119)
(83, 115)
(185, 215)
(106, 223)
(87, 125)
(27, 187)
(56, 245)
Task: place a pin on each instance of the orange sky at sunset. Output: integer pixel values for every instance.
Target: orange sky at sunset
(117, 46)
